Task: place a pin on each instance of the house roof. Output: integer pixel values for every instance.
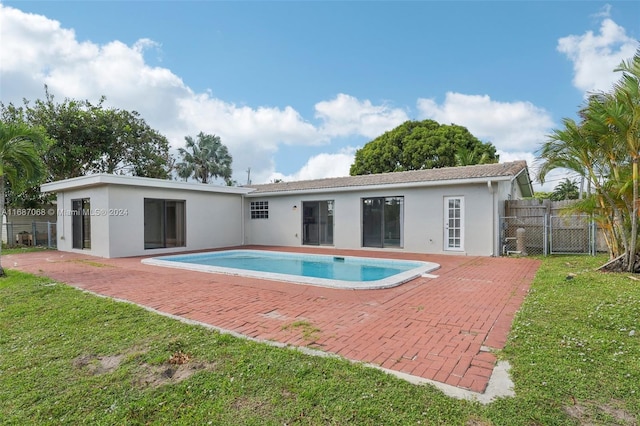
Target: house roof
(516, 170)
(110, 179)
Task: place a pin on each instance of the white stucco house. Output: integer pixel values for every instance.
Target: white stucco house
(449, 210)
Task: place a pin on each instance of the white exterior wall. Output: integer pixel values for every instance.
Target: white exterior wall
(99, 200)
(212, 219)
(222, 217)
(423, 224)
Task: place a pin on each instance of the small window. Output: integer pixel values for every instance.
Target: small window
(259, 210)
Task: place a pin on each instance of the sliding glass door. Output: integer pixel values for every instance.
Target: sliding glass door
(164, 223)
(382, 221)
(317, 222)
(81, 224)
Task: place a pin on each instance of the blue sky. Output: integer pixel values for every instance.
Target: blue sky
(294, 88)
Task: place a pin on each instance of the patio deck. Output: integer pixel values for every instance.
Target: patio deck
(441, 329)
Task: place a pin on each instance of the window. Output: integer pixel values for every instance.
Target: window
(382, 222)
(164, 223)
(317, 222)
(259, 210)
(81, 223)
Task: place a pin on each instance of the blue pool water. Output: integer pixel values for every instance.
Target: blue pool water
(324, 270)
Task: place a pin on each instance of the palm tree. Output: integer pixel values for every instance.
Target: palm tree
(619, 113)
(627, 122)
(467, 157)
(204, 159)
(565, 190)
(604, 149)
(20, 159)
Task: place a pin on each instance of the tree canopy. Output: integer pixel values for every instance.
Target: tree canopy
(416, 145)
(88, 138)
(204, 158)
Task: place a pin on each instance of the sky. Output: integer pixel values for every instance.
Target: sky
(294, 88)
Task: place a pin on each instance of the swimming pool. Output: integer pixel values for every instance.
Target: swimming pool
(320, 270)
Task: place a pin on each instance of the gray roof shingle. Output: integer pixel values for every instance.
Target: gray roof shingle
(480, 171)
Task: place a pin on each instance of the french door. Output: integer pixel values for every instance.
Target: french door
(454, 223)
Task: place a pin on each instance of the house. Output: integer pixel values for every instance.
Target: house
(448, 210)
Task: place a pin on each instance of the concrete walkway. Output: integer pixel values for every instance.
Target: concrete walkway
(441, 329)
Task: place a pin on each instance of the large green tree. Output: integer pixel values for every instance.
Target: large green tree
(604, 149)
(20, 161)
(91, 138)
(204, 159)
(416, 145)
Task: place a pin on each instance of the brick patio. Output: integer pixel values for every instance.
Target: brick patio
(441, 329)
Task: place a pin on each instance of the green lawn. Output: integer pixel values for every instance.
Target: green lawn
(22, 249)
(67, 357)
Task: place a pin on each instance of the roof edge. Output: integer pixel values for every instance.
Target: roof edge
(102, 179)
(417, 184)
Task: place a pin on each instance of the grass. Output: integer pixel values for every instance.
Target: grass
(22, 249)
(67, 357)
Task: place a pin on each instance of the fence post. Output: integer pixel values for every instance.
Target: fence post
(545, 235)
(594, 231)
(10, 237)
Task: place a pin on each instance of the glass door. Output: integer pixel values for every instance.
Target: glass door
(393, 222)
(317, 222)
(454, 223)
(81, 224)
(382, 219)
(372, 210)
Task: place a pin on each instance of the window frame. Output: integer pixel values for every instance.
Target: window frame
(259, 209)
(179, 221)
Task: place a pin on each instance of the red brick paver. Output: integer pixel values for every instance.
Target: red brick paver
(436, 328)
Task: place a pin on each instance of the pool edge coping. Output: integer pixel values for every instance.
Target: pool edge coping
(389, 282)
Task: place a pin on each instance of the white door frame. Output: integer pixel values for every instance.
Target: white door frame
(454, 221)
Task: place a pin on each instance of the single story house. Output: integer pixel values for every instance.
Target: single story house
(448, 210)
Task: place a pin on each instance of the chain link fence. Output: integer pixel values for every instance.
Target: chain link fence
(41, 234)
(549, 234)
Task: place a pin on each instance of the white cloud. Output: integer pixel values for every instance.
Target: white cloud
(509, 126)
(346, 115)
(36, 51)
(321, 166)
(595, 56)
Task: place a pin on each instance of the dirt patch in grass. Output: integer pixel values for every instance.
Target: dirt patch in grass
(477, 422)
(94, 365)
(178, 367)
(159, 375)
(591, 414)
(255, 406)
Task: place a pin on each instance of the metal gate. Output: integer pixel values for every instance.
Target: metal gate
(571, 235)
(548, 234)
